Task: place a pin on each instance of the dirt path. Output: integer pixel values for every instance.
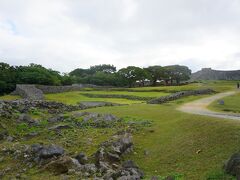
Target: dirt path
(200, 107)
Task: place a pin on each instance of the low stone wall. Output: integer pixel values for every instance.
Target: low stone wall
(121, 96)
(178, 95)
(59, 89)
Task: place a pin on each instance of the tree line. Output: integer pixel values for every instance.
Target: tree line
(103, 75)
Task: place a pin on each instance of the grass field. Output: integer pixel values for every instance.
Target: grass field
(9, 97)
(231, 104)
(76, 96)
(173, 139)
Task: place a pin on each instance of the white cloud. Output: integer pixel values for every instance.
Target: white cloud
(66, 34)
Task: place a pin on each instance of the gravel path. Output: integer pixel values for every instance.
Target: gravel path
(200, 107)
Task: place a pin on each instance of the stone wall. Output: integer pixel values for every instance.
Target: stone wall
(59, 89)
(178, 95)
(210, 74)
(28, 92)
(35, 92)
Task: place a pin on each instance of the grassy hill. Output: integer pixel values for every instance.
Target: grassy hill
(171, 143)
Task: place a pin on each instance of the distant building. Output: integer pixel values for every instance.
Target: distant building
(210, 74)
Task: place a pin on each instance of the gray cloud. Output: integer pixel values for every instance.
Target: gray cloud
(65, 34)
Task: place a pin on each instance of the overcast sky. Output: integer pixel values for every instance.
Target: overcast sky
(67, 34)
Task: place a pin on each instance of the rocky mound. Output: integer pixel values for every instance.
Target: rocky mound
(106, 163)
(7, 108)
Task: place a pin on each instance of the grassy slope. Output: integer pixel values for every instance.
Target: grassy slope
(231, 104)
(176, 139)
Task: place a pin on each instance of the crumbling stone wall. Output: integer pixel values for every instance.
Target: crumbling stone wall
(35, 92)
(210, 74)
(28, 92)
(178, 95)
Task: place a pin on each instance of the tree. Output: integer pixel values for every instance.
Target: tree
(132, 74)
(37, 74)
(7, 78)
(106, 68)
(80, 72)
(178, 73)
(66, 80)
(156, 73)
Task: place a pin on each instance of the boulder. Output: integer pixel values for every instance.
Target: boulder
(45, 152)
(82, 158)
(25, 118)
(111, 151)
(123, 145)
(232, 166)
(3, 134)
(57, 118)
(221, 102)
(62, 165)
(128, 171)
(50, 151)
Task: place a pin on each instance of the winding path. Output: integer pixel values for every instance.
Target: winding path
(200, 107)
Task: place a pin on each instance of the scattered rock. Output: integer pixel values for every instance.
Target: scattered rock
(98, 120)
(25, 118)
(128, 171)
(45, 152)
(89, 168)
(111, 151)
(221, 102)
(61, 165)
(3, 134)
(82, 158)
(10, 139)
(58, 118)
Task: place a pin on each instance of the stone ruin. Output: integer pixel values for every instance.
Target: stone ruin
(210, 74)
(35, 92)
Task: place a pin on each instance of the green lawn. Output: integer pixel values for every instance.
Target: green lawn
(9, 97)
(175, 138)
(231, 104)
(215, 85)
(76, 96)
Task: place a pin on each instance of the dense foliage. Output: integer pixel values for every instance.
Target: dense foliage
(103, 75)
